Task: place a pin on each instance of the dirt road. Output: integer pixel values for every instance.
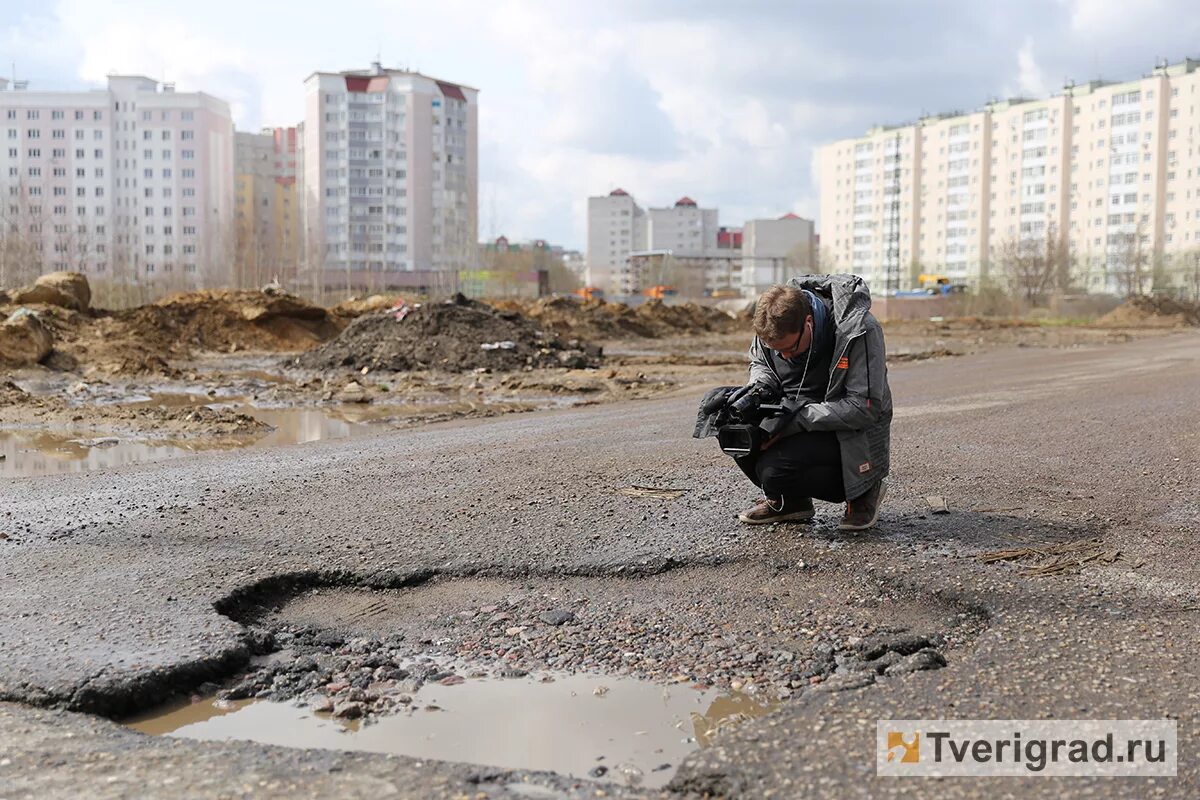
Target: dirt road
(108, 580)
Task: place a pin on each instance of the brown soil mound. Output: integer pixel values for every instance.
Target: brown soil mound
(357, 306)
(599, 319)
(142, 340)
(1152, 312)
(457, 335)
(229, 320)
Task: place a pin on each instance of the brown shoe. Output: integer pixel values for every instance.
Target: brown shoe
(863, 511)
(766, 511)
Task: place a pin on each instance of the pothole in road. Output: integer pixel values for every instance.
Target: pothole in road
(586, 726)
(613, 677)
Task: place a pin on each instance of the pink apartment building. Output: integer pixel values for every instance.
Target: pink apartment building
(390, 179)
(131, 184)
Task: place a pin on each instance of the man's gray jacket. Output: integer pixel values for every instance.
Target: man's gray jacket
(858, 403)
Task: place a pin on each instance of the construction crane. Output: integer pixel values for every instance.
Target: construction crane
(892, 256)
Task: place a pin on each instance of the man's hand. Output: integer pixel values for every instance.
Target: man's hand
(738, 394)
(718, 401)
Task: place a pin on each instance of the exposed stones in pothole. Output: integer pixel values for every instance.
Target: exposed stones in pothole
(666, 661)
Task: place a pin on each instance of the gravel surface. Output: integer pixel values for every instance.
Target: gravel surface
(109, 579)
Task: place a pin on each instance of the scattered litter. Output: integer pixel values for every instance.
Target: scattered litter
(1068, 557)
(506, 345)
(401, 309)
(937, 504)
(650, 491)
(600, 691)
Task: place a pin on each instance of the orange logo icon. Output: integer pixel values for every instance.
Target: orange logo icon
(843, 363)
(908, 752)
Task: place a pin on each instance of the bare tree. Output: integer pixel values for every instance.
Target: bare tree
(686, 275)
(22, 236)
(1031, 267)
(513, 271)
(1131, 262)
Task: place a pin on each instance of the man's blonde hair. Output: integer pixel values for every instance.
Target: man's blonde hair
(780, 312)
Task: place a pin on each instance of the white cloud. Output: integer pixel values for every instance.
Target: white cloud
(1030, 79)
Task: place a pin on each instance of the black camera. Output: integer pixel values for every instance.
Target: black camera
(738, 432)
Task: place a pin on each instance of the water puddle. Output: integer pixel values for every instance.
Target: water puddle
(37, 452)
(64, 449)
(586, 726)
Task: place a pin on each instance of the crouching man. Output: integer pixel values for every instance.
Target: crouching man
(818, 352)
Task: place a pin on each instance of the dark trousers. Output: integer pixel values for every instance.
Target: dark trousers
(801, 466)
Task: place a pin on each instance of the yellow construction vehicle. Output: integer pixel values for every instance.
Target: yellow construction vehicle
(659, 292)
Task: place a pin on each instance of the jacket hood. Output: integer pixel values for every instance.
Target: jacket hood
(849, 294)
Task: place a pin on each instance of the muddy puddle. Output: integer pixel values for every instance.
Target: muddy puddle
(586, 726)
(56, 450)
(52, 452)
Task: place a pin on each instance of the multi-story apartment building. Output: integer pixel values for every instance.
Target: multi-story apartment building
(685, 229)
(131, 184)
(267, 216)
(390, 177)
(774, 250)
(616, 228)
(621, 235)
(1109, 173)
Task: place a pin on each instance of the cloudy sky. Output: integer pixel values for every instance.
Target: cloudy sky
(723, 101)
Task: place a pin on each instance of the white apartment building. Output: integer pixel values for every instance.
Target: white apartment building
(619, 228)
(1112, 167)
(685, 229)
(775, 250)
(616, 228)
(131, 184)
(390, 178)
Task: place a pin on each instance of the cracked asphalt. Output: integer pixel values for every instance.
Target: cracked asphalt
(108, 579)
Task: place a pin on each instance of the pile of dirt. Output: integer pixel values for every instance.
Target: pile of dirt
(24, 339)
(143, 340)
(599, 319)
(457, 335)
(1157, 311)
(357, 306)
(66, 289)
(230, 320)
